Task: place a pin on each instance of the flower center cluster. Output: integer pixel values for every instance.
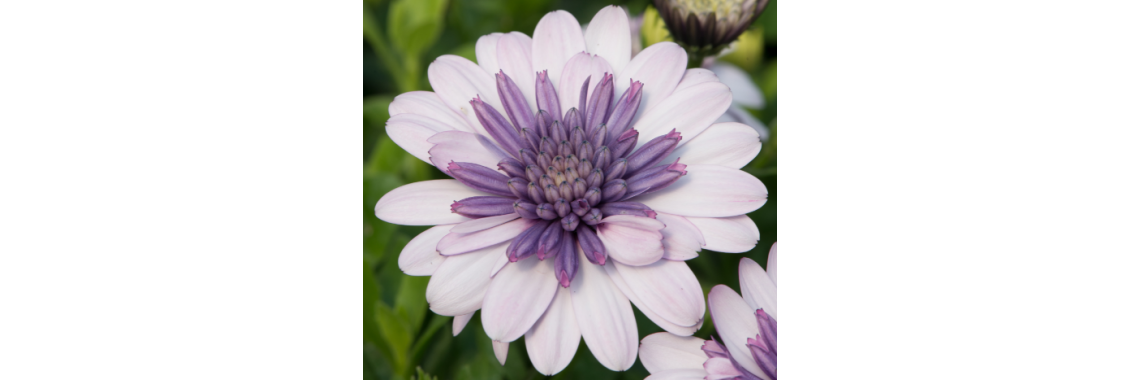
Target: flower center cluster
(566, 172)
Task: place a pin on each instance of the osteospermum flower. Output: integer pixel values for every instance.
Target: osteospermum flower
(746, 325)
(583, 180)
(707, 26)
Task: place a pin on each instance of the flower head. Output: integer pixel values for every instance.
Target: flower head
(704, 27)
(582, 180)
(746, 326)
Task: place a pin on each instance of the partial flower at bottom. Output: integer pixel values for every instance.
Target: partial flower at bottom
(746, 326)
(582, 181)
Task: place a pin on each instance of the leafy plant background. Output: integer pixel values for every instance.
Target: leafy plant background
(402, 338)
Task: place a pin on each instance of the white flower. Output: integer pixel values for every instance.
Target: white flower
(747, 326)
(530, 243)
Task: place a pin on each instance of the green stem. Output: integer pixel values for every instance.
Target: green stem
(404, 81)
(695, 60)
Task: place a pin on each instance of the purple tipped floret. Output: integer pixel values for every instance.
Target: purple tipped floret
(497, 126)
(652, 180)
(548, 241)
(626, 108)
(572, 119)
(518, 188)
(566, 266)
(482, 206)
(546, 211)
(653, 151)
(614, 190)
(480, 178)
(512, 167)
(600, 101)
(617, 169)
(514, 102)
(763, 346)
(592, 246)
(625, 142)
(525, 244)
(570, 222)
(593, 217)
(546, 96)
(526, 209)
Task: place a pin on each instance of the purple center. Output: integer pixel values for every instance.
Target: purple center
(567, 172)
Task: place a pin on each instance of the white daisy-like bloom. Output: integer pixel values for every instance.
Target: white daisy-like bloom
(746, 325)
(564, 147)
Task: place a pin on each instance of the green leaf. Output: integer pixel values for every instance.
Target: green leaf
(414, 25)
(421, 375)
(376, 109)
(396, 334)
(411, 304)
(387, 157)
(371, 294)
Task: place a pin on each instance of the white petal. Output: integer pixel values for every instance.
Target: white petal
(427, 103)
(457, 81)
(772, 263)
(679, 374)
(476, 225)
(735, 234)
(689, 111)
(611, 331)
(501, 350)
(459, 284)
(581, 66)
(411, 132)
(633, 240)
(664, 351)
(463, 147)
(709, 191)
(696, 76)
(735, 322)
(459, 322)
(660, 68)
(682, 239)
(454, 244)
(502, 262)
(514, 60)
(758, 289)
(424, 203)
(744, 91)
(608, 36)
(669, 288)
(649, 313)
(517, 297)
(735, 114)
(726, 144)
(723, 369)
(557, 37)
(553, 340)
(487, 52)
(419, 257)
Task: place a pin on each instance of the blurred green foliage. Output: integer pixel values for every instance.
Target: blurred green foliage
(402, 338)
